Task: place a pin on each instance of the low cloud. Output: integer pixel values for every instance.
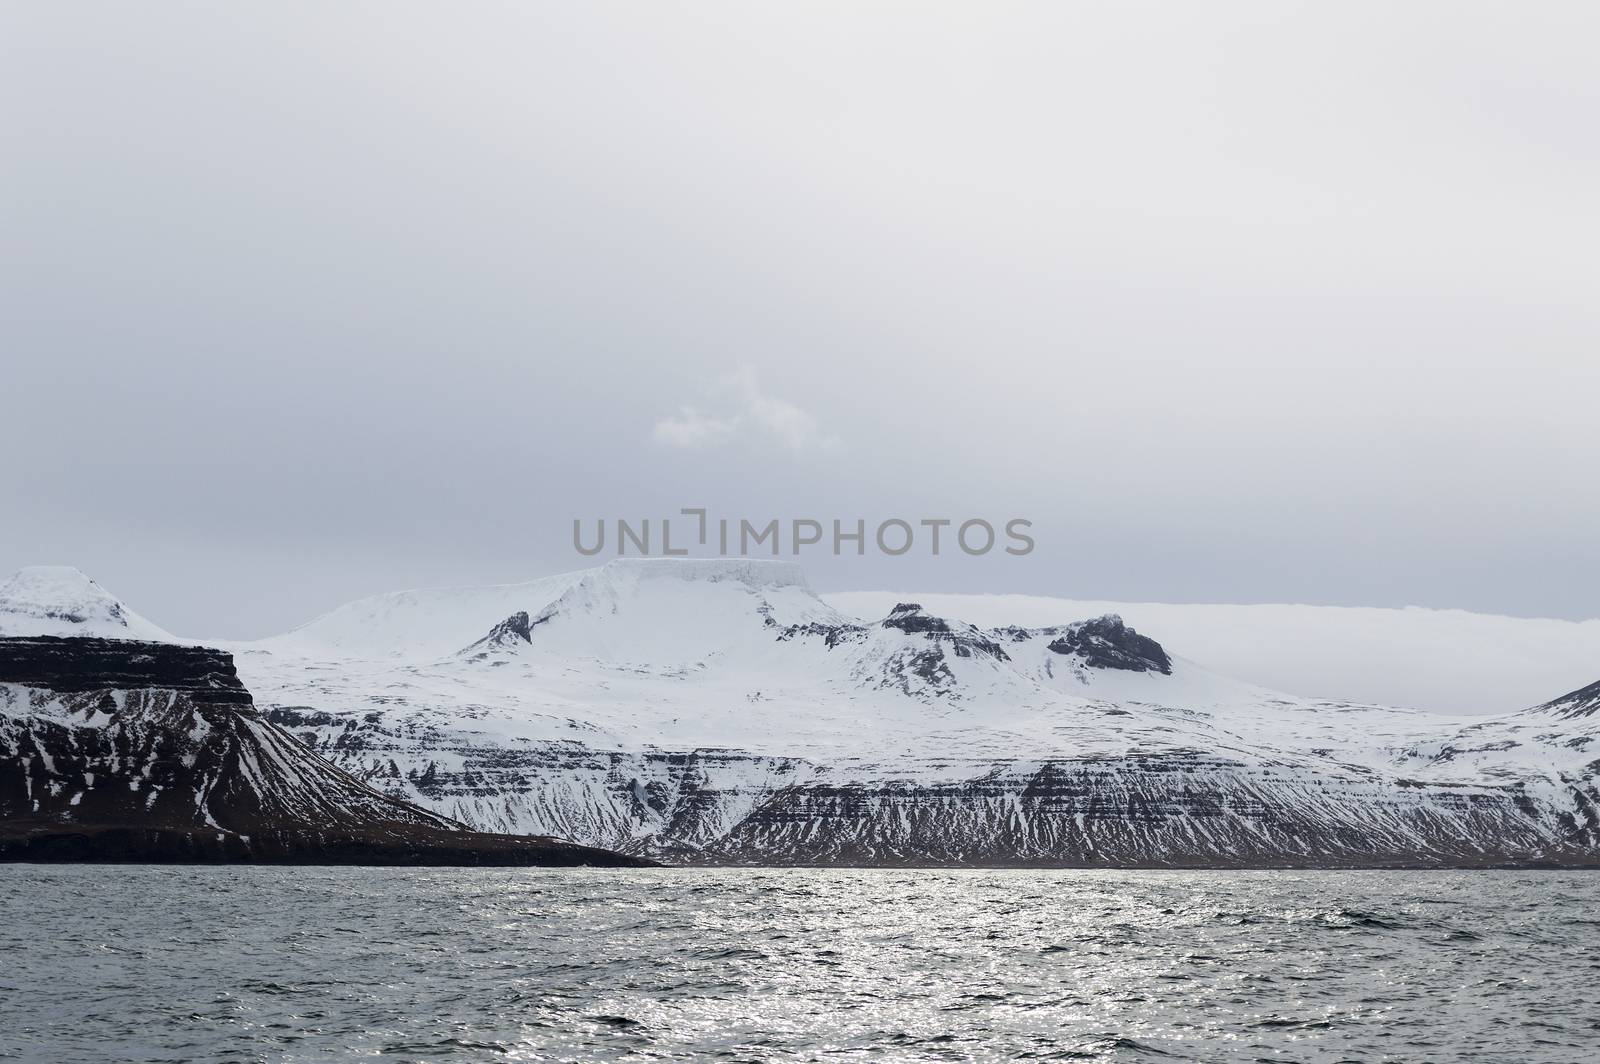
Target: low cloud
(691, 430)
(746, 412)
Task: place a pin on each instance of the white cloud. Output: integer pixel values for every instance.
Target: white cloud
(692, 430)
(750, 412)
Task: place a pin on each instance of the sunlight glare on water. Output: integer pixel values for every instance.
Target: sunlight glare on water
(280, 964)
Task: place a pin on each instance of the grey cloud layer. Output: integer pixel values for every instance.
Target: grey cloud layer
(1235, 303)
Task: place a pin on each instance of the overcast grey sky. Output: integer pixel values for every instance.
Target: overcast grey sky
(1237, 302)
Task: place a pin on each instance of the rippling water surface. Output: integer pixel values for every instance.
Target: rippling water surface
(241, 964)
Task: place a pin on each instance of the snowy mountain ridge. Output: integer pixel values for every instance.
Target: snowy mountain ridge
(720, 711)
(1443, 660)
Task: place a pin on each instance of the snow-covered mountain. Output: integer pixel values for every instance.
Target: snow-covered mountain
(60, 600)
(148, 749)
(718, 710)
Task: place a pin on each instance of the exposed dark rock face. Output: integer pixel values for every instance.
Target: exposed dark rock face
(122, 750)
(832, 635)
(514, 627)
(964, 639)
(1584, 702)
(69, 665)
(515, 630)
(1176, 810)
(908, 617)
(1107, 643)
(923, 668)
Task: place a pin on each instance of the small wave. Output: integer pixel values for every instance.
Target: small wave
(624, 1023)
(731, 953)
(1345, 918)
(273, 988)
(447, 1047)
(1285, 1023)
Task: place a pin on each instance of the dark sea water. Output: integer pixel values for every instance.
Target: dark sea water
(244, 964)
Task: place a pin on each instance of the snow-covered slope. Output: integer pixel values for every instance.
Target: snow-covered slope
(718, 710)
(59, 600)
(427, 622)
(1445, 661)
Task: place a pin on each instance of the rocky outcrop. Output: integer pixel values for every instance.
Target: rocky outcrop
(122, 750)
(71, 665)
(1584, 702)
(515, 630)
(963, 639)
(1107, 643)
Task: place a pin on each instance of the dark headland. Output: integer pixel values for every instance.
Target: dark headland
(126, 751)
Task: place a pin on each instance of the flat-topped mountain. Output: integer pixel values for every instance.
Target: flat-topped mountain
(114, 749)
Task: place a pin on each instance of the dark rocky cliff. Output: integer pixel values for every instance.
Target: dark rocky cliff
(63, 664)
(124, 750)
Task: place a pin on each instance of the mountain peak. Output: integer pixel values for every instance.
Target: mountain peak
(61, 600)
(910, 617)
(43, 580)
(515, 629)
(756, 572)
